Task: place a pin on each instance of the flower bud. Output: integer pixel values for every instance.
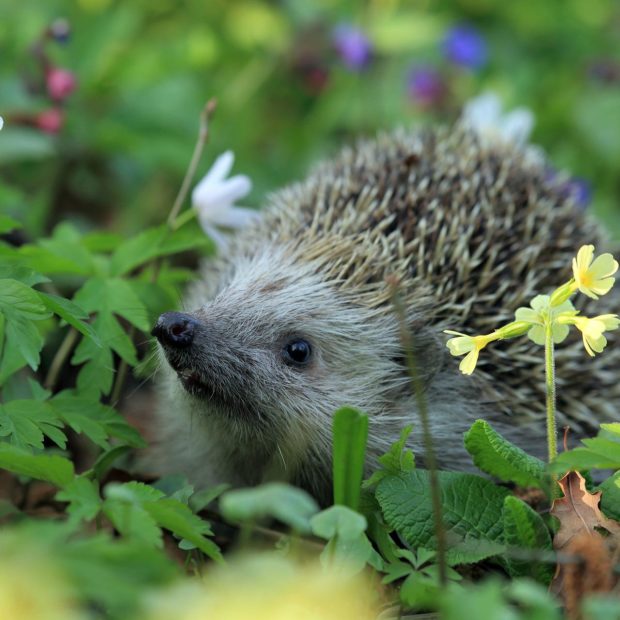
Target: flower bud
(50, 121)
(60, 83)
(512, 330)
(562, 293)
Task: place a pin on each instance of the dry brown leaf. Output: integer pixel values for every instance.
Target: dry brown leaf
(578, 511)
(579, 515)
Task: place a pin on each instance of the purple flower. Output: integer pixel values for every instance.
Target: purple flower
(464, 46)
(353, 46)
(425, 86)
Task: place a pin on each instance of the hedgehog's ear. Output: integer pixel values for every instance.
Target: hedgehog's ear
(428, 353)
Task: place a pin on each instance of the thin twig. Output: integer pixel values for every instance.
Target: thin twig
(429, 450)
(59, 359)
(203, 136)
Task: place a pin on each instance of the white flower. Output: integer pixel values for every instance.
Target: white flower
(483, 114)
(214, 197)
(1, 122)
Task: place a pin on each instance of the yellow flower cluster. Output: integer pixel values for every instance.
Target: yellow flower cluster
(591, 276)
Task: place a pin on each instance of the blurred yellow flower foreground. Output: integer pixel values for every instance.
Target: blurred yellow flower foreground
(268, 587)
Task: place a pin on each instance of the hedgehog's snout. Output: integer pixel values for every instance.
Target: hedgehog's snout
(175, 330)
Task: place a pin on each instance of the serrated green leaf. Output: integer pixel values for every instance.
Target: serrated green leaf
(179, 519)
(201, 499)
(474, 528)
(17, 271)
(138, 250)
(55, 469)
(25, 422)
(133, 521)
(288, 504)
(498, 457)
(350, 432)
(22, 345)
(83, 497)
(524, 529)
(18, 298)
(136, 492)
(97, 375)
(71, 313)
(105, 460)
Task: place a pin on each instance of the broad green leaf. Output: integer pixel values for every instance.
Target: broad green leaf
(25, 422)
(133, 522)
(472, 512)
(525, 530)
(71, 313)
(55, 469)
(97, 375)
(23, 342)
(201, 499)
(338, 520)
(350, 432)
(288, 504)
(83, 497)
(498, 457)
(17, 271)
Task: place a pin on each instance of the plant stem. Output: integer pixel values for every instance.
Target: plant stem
(60, 358)
(429, 450)
(550, 385)
(203, 135)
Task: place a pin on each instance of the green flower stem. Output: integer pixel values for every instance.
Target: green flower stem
(550, 384)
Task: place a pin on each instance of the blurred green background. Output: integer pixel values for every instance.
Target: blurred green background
(295, 80)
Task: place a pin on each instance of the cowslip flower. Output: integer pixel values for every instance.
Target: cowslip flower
(464, 46)
(353, 46)
(593, 277)
(472, 345)
(214, 196)
(592, 330)
(540, 311)
(484, 115)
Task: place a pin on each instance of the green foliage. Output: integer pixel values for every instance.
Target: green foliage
(396, 460)
(524, 529)
(600, 452)
(275, 500)
(497, 456)
(51, 468)
(474, 528)
(348, 548)
(350, 431)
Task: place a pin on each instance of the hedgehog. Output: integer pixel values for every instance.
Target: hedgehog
(297, 318)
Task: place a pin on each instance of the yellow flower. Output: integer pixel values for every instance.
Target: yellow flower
(472, 345)
(542, 308)
(593, 278)
(592, 330)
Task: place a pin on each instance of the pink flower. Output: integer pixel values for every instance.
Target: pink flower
(60, 83)
(50, 121)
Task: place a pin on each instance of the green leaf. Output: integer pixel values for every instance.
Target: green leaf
(472, 512)
(179, 519)
(71, 313)
(83, 497)
(397, 459)
(498, 457)
(350, 432)
(288, 504)
(18, 298)
(610, 497)
(524, 529)
(348, 548)
(17, 271)
(600, 452)
(25, 422)
(7, 224)
(55, 469)
(201, 499)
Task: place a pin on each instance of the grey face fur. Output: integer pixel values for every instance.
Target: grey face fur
(470, 232)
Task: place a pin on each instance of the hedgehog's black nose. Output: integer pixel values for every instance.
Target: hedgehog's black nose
(175, 329)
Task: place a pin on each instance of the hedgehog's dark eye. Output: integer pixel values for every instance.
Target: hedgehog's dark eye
(298, 352)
